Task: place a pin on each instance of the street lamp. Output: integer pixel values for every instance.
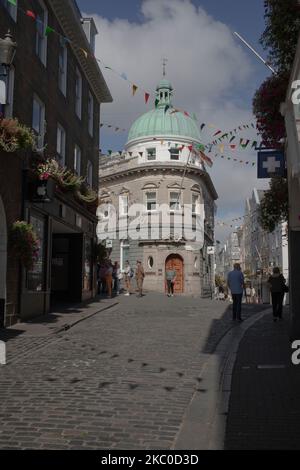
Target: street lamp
(7, 52)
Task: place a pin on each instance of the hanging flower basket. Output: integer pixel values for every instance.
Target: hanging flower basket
(66, 179)
(15, 136)
(24, 243)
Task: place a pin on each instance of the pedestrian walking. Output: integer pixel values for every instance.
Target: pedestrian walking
(221, 295)
(101, 273)
(253, 296)
(109, 278)
(248, 294)
(139, 276)
(170, 278)
(128, 273)
(278, 287)
(117, 277)
(235, 281)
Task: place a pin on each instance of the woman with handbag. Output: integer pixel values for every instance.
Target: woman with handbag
(278, 287)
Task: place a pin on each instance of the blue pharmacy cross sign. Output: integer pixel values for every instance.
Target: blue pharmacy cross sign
(270, 163)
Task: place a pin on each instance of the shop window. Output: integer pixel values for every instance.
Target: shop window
(35, 277)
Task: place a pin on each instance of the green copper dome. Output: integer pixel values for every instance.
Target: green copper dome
(162, 122)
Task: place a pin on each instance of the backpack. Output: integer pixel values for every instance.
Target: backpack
(131, 272)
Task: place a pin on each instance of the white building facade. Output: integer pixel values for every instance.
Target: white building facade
(160, 188)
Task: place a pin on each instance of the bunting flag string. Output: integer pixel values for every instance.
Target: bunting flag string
(48, 30)
(251, 164)
(110, 126)
(226, 135)
(232, 146)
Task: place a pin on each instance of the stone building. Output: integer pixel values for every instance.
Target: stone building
(53, 88)
(160, 165)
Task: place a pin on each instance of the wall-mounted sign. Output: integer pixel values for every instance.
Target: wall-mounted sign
(211, 250)
(109, 244)
(270, 163)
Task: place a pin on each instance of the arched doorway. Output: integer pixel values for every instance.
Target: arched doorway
(175, 263)
(3, 261)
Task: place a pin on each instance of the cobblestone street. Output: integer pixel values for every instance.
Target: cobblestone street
(121, 379)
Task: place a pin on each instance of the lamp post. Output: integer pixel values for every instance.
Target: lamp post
(7, 54)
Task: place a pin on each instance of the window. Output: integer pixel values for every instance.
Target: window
(38, 120)
(151, 201)
(61, 145)
(78, 94)
(62, 66)
(124, 253)
(174, 154)
(151, 154)
(35, 277)
(123, 205)
(40, 38)
(150, 262)
(77, 160)
(195, 204)
(175, 201)
(89, 174)
(91, 113)
(10, 83)
(12, 9)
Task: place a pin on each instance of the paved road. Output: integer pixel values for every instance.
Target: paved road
(121, 379)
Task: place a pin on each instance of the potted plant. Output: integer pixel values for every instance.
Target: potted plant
(15, 136)
(24, 243)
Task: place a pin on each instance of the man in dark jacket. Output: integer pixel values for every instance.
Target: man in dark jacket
(278, 287)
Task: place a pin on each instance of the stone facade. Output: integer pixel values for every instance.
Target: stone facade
(128, 177)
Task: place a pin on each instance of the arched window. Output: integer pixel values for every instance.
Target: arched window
(150, 262)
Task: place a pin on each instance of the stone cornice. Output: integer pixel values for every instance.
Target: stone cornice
(67, 15)
(157, 168)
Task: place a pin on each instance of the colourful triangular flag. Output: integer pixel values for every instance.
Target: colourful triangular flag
(147, 96)
(217, 133)
(156, 102)
(13, 2)
(30, 14)
(124, 76)
(134, 89)
(49, 30)
(202, 126)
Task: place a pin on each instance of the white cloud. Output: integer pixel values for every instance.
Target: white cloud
(207, 67)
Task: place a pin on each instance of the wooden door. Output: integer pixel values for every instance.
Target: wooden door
(175, 263)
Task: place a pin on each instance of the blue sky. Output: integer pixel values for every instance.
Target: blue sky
(124, 29)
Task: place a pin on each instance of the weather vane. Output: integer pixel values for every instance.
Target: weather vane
(164, 61)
